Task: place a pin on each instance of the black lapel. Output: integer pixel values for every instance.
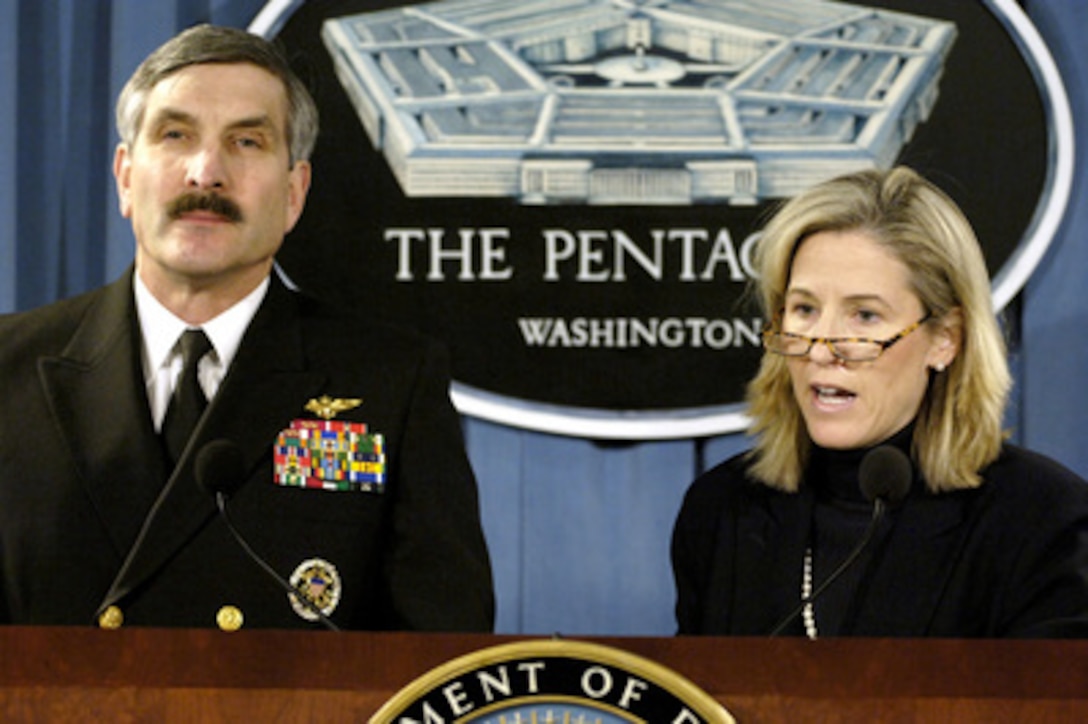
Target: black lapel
(911, 567)
(266, 387)
(770, 545)
(97, 398)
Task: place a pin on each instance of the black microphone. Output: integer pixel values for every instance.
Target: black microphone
(220, 470)
(884, 477)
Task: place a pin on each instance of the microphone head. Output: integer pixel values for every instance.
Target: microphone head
(885, 474)
(219, 467)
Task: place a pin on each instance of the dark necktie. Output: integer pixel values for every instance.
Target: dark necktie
(188, 401)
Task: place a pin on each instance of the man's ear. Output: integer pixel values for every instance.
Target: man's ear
(122, 168)
(298, 183)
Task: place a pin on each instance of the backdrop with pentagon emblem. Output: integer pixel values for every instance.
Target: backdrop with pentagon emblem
(578, 521)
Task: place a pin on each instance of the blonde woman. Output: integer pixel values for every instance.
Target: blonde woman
(881, 333)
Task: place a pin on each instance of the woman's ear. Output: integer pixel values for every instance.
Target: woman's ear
(947, 340)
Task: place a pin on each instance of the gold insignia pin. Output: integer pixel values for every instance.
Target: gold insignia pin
(229, 618)
(327, 407)
(111, 618)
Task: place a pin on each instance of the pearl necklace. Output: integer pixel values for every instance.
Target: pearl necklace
(808, 613)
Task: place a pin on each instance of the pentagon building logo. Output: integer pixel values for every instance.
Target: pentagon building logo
(636, 101)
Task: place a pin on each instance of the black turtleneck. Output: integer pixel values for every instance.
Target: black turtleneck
(839, 519)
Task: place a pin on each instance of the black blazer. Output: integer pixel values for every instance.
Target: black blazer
(90, 516)
(1007, 559)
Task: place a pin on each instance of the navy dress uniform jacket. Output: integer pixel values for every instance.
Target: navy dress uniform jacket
(91, 516)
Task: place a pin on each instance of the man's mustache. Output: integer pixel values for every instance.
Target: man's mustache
(213, 202)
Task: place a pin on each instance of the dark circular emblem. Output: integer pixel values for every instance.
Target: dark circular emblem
(568, 197)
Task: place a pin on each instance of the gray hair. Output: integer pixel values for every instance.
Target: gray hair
(214, 44)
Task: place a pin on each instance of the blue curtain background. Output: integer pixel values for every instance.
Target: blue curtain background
(578, 530)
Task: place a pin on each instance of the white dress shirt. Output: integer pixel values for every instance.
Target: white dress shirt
(160, 330)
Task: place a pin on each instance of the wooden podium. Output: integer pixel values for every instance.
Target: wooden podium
(165, 675)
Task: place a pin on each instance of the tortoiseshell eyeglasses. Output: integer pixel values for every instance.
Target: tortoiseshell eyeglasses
(848, 349)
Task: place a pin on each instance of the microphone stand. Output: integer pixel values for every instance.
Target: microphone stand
(221, 503)
(879, 507)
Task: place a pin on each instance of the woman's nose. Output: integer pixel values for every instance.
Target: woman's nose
(821, 352)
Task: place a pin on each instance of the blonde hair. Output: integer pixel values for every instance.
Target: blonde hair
(958, 428)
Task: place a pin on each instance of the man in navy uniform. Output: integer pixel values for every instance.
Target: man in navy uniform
(110, 397)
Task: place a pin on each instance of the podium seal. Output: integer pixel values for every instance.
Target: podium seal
(551, 682)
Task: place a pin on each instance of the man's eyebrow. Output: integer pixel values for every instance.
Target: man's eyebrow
(168, 115)
(261, 121)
